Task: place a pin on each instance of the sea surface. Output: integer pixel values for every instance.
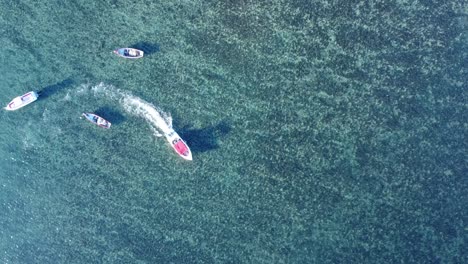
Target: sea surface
(321, 131)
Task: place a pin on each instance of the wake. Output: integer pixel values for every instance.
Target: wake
(159, 121)
(154, 116)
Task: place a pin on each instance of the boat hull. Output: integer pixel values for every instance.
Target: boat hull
(179, 145)
(21, 101)
(97, 120)
(129, 53)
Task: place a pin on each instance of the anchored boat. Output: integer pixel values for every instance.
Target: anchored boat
(21, 101)
(97, 120)
(129, 53)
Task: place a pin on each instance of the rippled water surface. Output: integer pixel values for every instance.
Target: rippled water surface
(321, 132)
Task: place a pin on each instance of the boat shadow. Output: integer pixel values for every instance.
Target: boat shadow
(110, 115)
(204, 139)
(51, 89)
(146, 47)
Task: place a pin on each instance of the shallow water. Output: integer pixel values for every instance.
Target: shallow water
(321, 132)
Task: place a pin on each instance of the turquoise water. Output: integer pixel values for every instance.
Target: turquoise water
(321, 132)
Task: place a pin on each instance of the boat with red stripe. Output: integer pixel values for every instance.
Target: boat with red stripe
(23, 100)
(97, 120)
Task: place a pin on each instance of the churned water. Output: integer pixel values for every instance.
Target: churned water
(321, 132)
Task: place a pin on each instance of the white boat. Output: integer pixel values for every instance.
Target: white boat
(21, 101)
(129, 53)
(97, 120)
(178, 144)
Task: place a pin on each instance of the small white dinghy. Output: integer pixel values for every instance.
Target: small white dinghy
(129, 53)
(21, 101)
(97, 120)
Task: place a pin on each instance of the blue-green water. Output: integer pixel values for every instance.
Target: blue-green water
(321, 131)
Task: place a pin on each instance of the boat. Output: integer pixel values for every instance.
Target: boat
(97, 120)
(178, 144)
(129, 53)
(23, 100)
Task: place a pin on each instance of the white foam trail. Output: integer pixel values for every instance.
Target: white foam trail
(67, 97)
(159, 121)
(140, 107)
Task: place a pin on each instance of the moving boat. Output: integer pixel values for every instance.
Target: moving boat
(129, 53)
(178, 144)
(21, 101)
(97, 120)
